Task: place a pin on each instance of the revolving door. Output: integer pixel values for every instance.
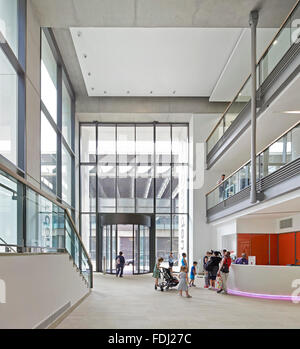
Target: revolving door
(129, 234)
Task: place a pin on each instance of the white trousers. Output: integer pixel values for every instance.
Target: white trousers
(224, 280)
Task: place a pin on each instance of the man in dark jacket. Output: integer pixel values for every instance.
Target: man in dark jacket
(120, 261)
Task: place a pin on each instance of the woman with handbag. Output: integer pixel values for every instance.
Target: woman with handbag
(224, 271)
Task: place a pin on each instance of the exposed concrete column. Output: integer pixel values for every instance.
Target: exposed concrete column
(253, 20)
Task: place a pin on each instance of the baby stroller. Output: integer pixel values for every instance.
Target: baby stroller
(168, 280)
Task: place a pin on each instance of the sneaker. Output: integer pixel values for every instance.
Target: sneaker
(193, 285)
(189, 296)
(219, 291)
(205, 286)
(155, 287)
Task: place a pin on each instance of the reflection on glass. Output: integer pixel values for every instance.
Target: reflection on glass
(144, 144)
(144, 189)
(163, 144)
(49, 79)
(179, 236)
(163, 189)
(66, 114)
(88, 235)
(88, 188)
(66, 176)
(126, 189)
(88, 144)
(163, 236)
(9, 211)
(180, 189)
(48, 155)
(107, 144)
(126, 144)
(107, 188)
(179, 144)
(8, 107)
(9, 23)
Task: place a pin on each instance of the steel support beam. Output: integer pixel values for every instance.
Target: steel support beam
(253, 20)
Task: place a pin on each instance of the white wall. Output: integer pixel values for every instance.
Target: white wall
(36, 287)
(256, 225)
(295, 227)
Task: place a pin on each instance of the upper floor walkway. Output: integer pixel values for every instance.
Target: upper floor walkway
(278, 67)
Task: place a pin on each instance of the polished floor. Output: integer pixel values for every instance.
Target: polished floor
(132, 302)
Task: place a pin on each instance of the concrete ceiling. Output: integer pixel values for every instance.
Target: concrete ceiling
(158, 13)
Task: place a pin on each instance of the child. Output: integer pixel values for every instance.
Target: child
(193, 275)
(206, 281)
(184, 261)
(156, 272)
(183, 283)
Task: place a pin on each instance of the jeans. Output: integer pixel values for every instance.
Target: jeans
(224, 280)
(120, 268)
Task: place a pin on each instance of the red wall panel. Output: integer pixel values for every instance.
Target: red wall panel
(286, 248)
(298, 248)
(260, 248)
(273, 249)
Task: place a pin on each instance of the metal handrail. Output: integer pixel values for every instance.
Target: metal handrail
(257, 64)
(9, 246)
(258, 154)
(8, 171)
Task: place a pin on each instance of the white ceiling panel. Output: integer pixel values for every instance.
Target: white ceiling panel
(153, 61)
(238, 67)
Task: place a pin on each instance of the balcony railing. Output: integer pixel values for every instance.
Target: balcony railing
(281, 152)
(286, 37)
(31, 221)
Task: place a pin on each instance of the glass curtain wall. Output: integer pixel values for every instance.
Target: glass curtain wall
(136, 168)
(57, 124)
(12, 83)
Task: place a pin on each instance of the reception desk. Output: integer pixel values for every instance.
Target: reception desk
(265, 281)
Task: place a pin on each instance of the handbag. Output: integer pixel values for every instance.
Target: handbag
(219, 283)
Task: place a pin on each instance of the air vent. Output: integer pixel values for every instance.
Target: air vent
(286, 223)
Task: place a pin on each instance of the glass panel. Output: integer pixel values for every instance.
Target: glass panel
(88, 235)
(49, 79)
(163, 144)
(114, 247)
(9, 22)
(108, 249)
(180, 189)
(88, 144)
(244, 177)
(180, 146)
(45, 223)
(126, 189)
(144, 145)
(104, 243)
(163, 237)
(88, 188)
(48, 154)
(179, 238)
(136, 263)
(125, 244)
(295, 143)
(215, 136)
(295, 22)
(144, 189)
(8, 211)
(66, 176)
(66, 114)
(163, 189)
(145, 243)
(9, 109)
(277, 50)
(126, 144)
(107, 188)
(107, 144)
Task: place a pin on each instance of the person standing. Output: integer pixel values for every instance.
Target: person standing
(183, 283)
(171, 262)
(193, 275)
(224, 271)
(242, 260)
(184, 261)
(213, 267)
(205, 261)
(120, 264)
(156, 272)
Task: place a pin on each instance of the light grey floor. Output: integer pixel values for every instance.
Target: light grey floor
(132, 302)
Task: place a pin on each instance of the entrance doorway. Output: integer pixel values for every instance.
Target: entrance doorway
(132, 239)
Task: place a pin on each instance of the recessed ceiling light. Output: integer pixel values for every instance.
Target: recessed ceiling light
(92, 89)
(128, 92)
(292, 112)
(89, 74)
(275, 42)
(85, 55)
(105, 92)
(174, 92)
(151, 92)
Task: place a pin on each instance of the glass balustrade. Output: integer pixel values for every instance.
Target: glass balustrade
(278, 154)
(33, 223)
(287, 36)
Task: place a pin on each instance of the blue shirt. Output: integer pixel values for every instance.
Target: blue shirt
(183, 262)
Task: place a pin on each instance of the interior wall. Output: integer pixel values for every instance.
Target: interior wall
(33, 91)
(44, 284)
